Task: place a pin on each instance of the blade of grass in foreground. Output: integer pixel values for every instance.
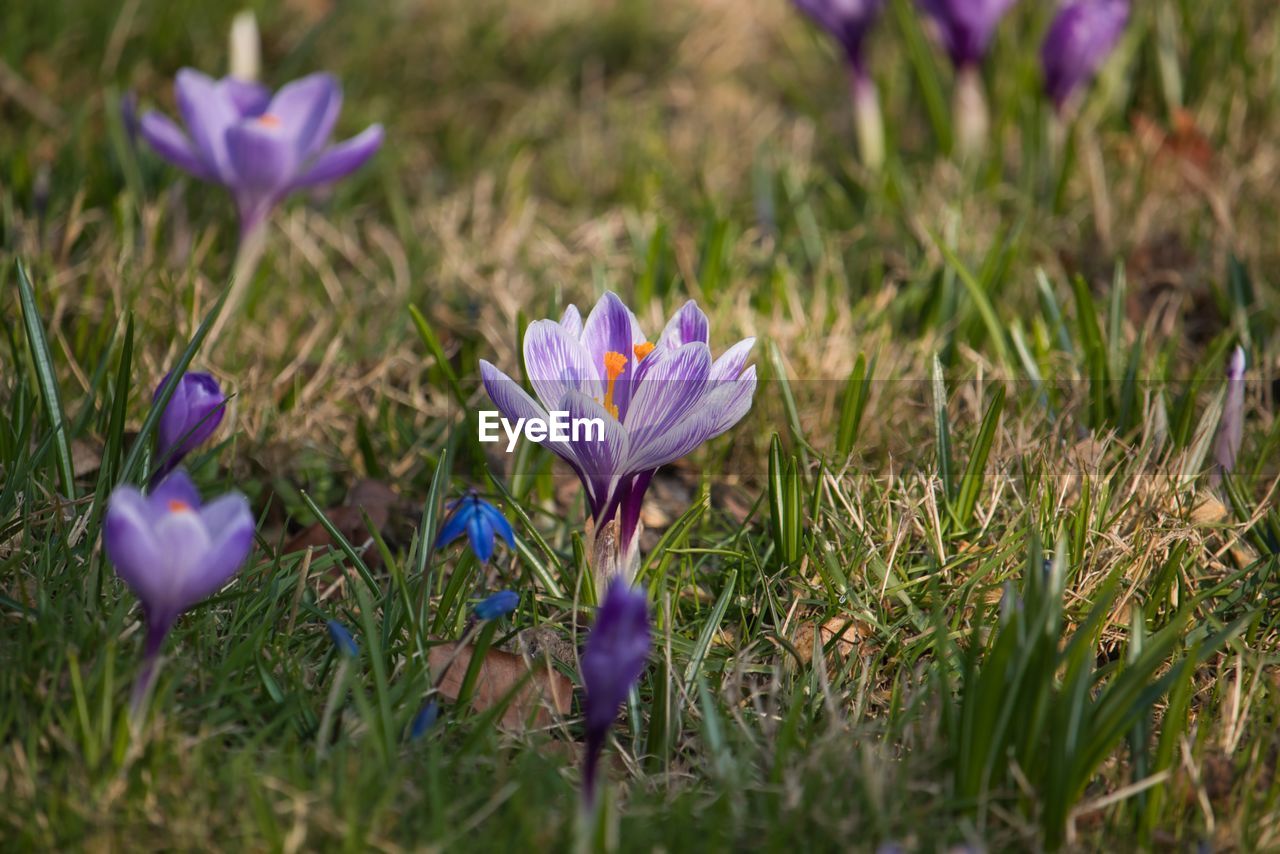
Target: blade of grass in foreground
(48, 381)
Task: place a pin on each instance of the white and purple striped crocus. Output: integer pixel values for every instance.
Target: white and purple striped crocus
(656, 401)
(173, 551)
(848, 22)
(260, 146)
(612, 661)
(965, 29)
(194, 411)
(1078, 42)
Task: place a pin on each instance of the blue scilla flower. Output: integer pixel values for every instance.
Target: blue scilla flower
(497, 605)
(424, 720)
(480, 521)
(342, 639)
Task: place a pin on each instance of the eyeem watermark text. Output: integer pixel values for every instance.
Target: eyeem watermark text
(559, 428)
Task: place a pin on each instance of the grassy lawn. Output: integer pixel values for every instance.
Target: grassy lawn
(967, 574)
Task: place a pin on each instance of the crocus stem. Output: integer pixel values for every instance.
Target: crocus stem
(253, 241)
(868, 124)
(157, 630)
(969, 112)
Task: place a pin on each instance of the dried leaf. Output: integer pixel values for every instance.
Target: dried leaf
(500, 673)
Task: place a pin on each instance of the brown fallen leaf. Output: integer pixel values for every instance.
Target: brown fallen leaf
(840, 636)
(375, 498)
(500, 673)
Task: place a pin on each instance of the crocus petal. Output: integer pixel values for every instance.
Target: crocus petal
(670, 384)
(966, 27)
(178, 488)
(1226, 447)
(600, 458)
(721, 408)
(848, 21)
(307, 110)
(686, 326)
(557, 363)
(610, 328)
(208, 113)
(731, 361)
(571, 320)
(1078, 41)
(167, 140)
(340, 160)
(228, 548)
(194, 411)
(129, 542)
(249, 98)
(263, 158)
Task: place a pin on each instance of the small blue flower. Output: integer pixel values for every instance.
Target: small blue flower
(498, 605)
(424, 720)
(342, 639)
(480, 521)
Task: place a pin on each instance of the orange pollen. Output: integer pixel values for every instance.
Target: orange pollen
(176, 506)
(643, 350)
(268, 120)
(614, 365)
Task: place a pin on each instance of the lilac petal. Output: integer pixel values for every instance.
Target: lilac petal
(208, 113)
(1079, 40)
(731, 361)
(307, 110)
(672, 382)
(249, 98)
(724, 406)
(601, 455)
(194, 411)
(167, 140)
(229, 547)
(129, 543)
(184, 544)
(1226, 447)
(686, 326)
(512, 401)
(966, 27)
(571, 321)
(610, 328)
(263, 157)
(558, 364)
(177, 487)
(340, 160)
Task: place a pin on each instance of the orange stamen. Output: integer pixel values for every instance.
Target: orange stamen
(614, 365)
(176, 506)
(643, 350)
(268, 120)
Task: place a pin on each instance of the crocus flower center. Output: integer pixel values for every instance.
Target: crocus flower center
(176, 506)
(268, 120)
(643, 350)
(614, 365)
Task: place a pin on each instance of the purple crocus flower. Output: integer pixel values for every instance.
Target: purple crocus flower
(848, 22)
(1226, 447)
(1079, 40)
(654, 403)
(173, 552)
(612, 661)
(480, 521)
(260, 146)
(194, 412)
(966, 27)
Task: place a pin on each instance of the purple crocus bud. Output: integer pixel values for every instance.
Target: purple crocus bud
(848, 22)
(192, 416)
(654, 402)
(129, 116)
(1231, 426)
(260, 146)
(612, 661)
(966, 27)
(173, 551)
(481, 522)
(1079, 40)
